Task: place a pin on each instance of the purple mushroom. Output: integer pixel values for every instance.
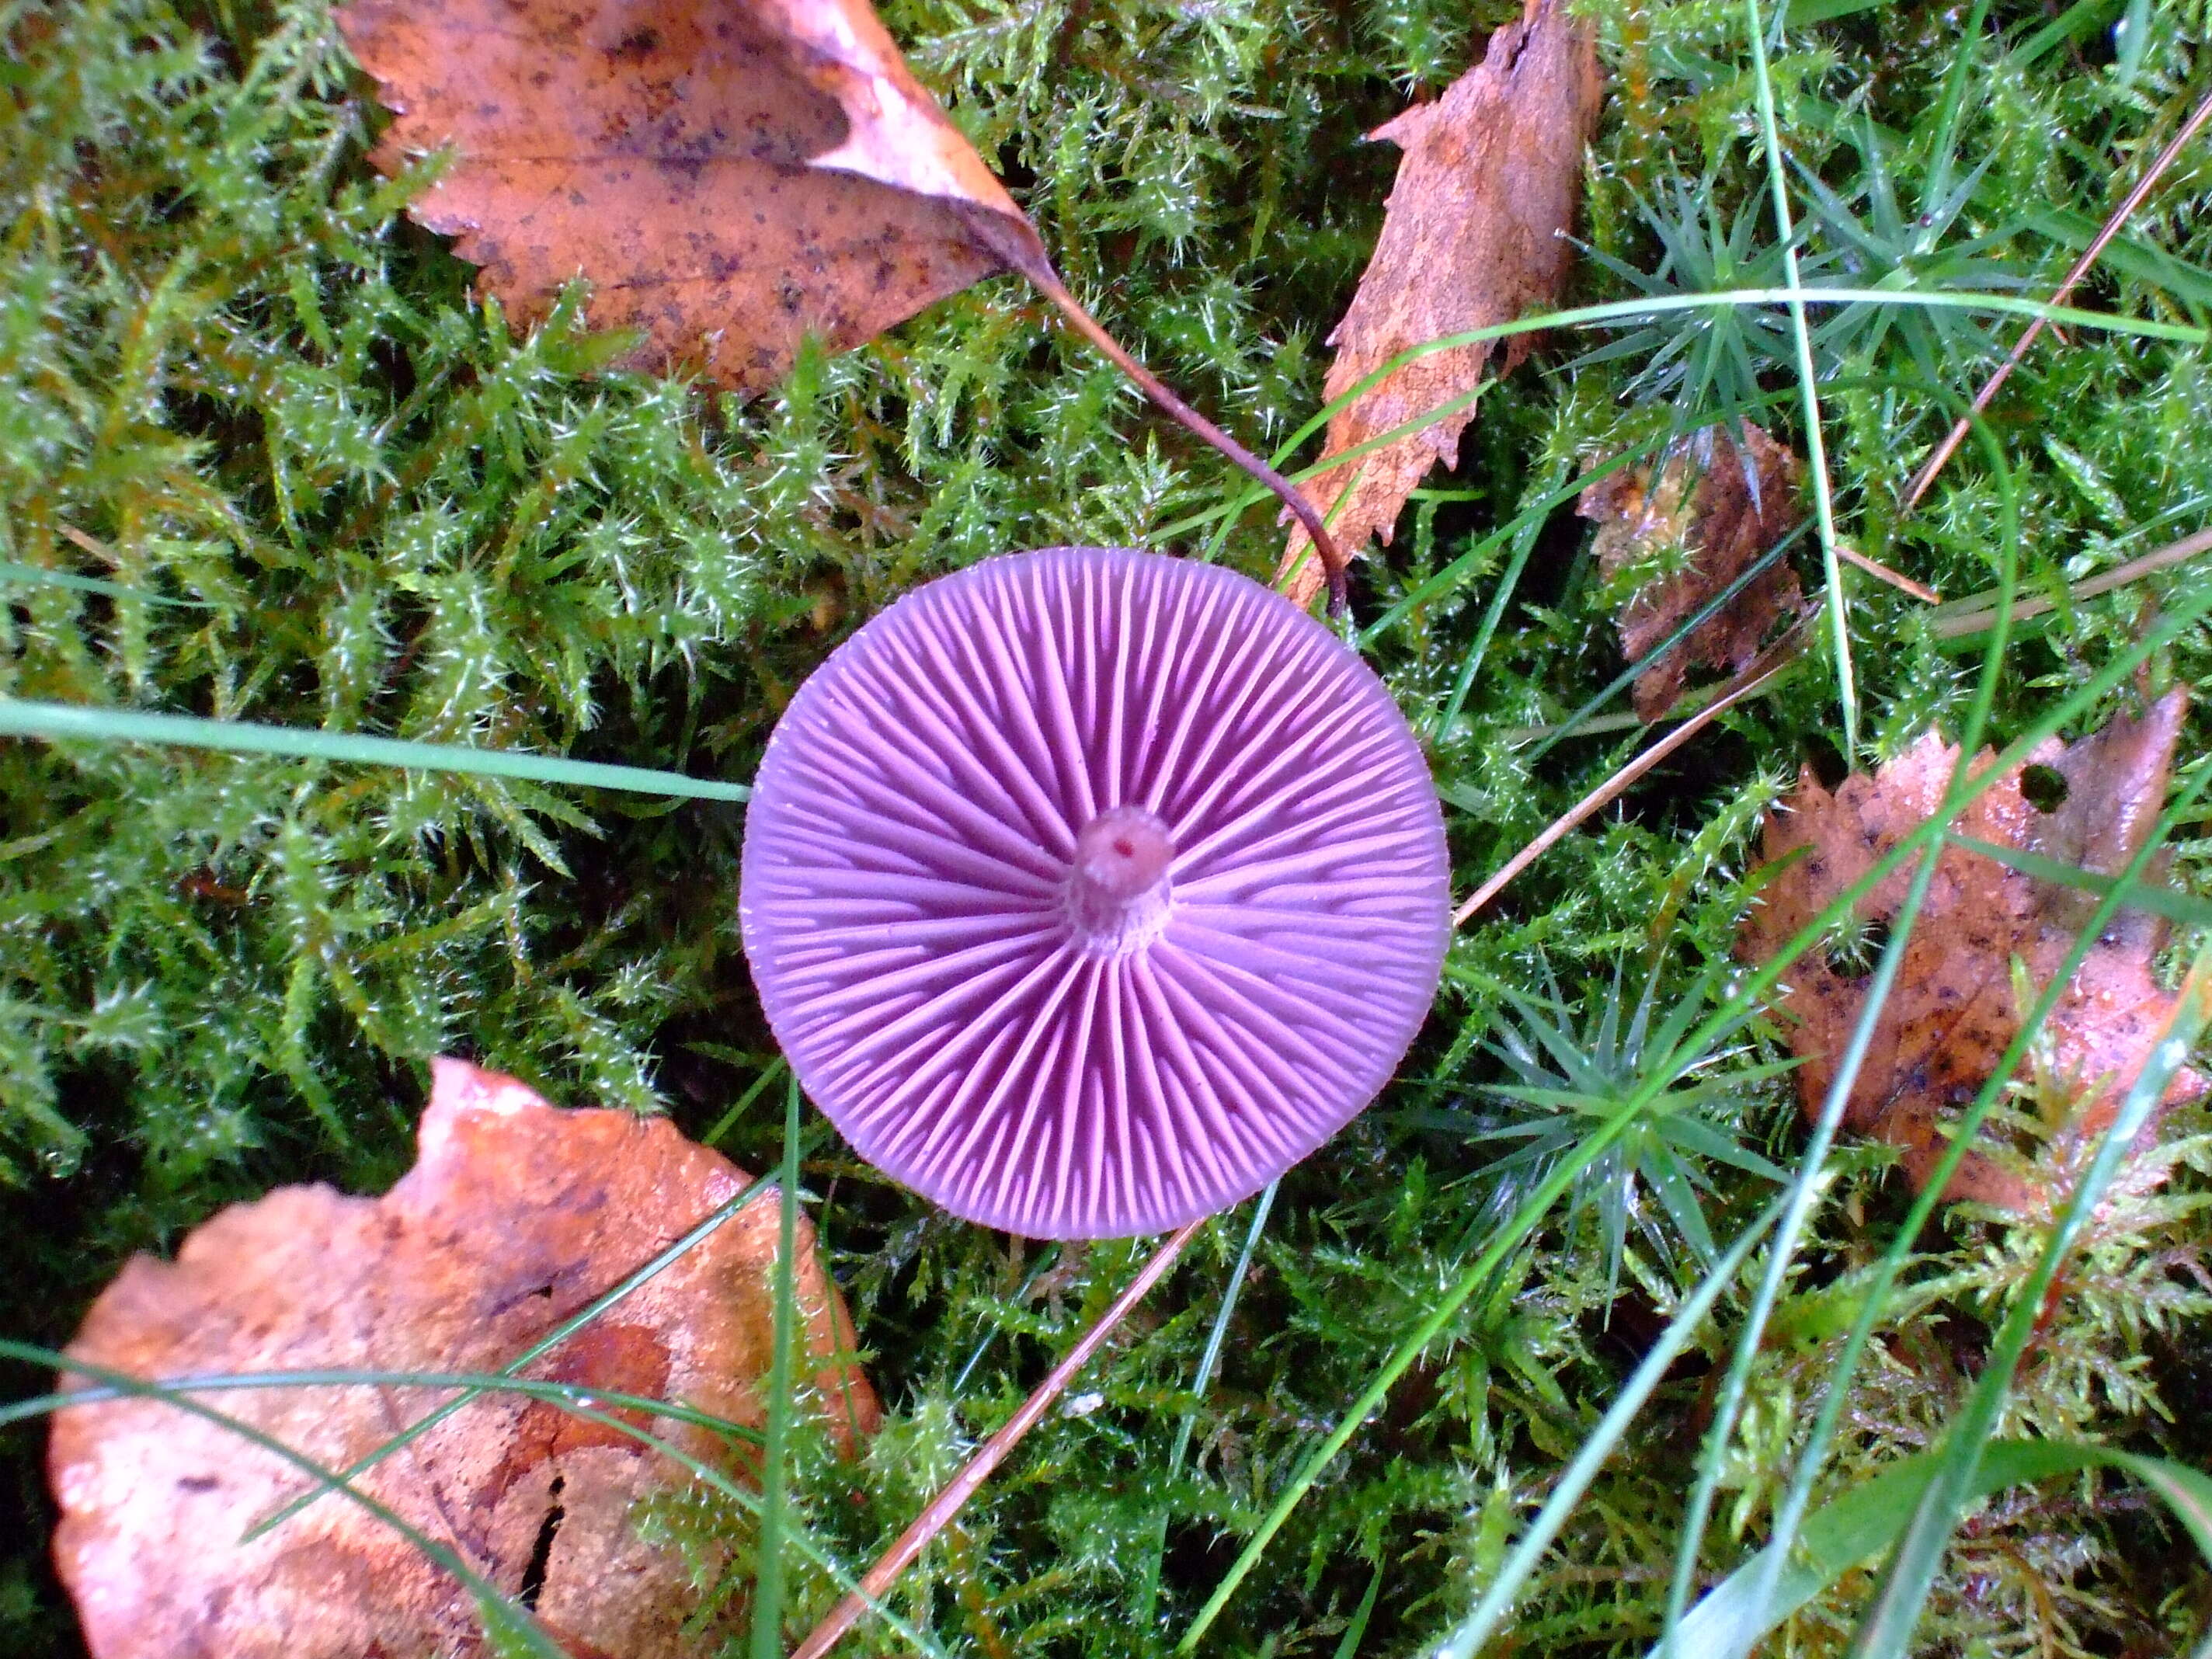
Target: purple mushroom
(1088, 890)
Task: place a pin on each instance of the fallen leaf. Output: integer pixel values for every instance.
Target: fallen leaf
(1472, 235)
(1953, 1011)
(730, 177)
(515, 1216)
(1713, 530)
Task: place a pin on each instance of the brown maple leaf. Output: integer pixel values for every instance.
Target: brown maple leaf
(1472, 235)
(1952, 1011)
(1717, 529)
(515, 1216)
(730, 177)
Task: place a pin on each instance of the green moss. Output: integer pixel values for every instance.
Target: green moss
(333, 489)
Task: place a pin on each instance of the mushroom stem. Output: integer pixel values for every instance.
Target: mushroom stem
(1117, 887)
(1021, 255)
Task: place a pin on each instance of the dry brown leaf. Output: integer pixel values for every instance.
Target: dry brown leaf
(730, 177)
(1472, 236)
(515, 1215)
(1719, 530)
(1953, 1012)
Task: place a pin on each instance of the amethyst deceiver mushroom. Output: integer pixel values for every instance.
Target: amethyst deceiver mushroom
(1088, 890)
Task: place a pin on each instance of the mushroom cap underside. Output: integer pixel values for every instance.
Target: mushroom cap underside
(1088, 890)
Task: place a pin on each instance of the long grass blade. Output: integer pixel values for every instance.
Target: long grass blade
(1599, 1445)
(1148, 1587)
(1801, 1196)
(552, 1338)
(580, 1402)
(768, 1558)
(1886, 1631)
(57, 722)
(502, 1619)
(1816, 449)
(1868, 1519)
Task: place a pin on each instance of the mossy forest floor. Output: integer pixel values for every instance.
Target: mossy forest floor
(294, 473)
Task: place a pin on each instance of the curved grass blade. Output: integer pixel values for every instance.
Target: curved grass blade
(503, 1620)
(1575, 1480)
(32, 575)
(59, 722)
(571, 1399)
(1799, 1198)
(557, 1394)
(1629, 310)
(1886, 1631)
(1148, 1586)
(1867, 1519)
(767, 1556)
(552, 1338)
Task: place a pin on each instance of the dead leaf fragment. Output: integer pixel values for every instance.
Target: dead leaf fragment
(1952, 1011)
(1472, 236)
(1702, 508)
(515, 1215)
(730, 177)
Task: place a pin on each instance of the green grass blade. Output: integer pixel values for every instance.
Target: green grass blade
(728, 1121)
(575, 1398)
(32, 575)
(1816, 451)
(560, 1333)
(503, 1620)
(1355, 1631)
(1148, 1587)
(57, 722)
(1798, 1203)
(1683, 630)
(564, 1394)
(2147, 897)
(1735, 1388)
(1524, 530)
(768, 1558)
(1886, 1631)
(1520, 529)
(1598, 1445)
(1632, 311)
(1867, 1519)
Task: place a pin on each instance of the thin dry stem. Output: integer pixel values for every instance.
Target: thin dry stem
(964, 1485)
(2112, 226)
(1771, 662)
(1332, 557)
(2173, 553)
(1897, 579)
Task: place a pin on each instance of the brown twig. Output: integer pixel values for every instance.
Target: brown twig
(948, 1503)
(1777, 657)
(1897, 579)
(1974, 622)
(2112, 227)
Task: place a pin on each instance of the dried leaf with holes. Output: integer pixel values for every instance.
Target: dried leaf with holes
(1472, 235)
(1952, 1011)
(1703, 526)
(729, 177)
(515, 1216)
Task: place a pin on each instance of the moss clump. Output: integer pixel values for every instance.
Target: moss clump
(262, 457)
